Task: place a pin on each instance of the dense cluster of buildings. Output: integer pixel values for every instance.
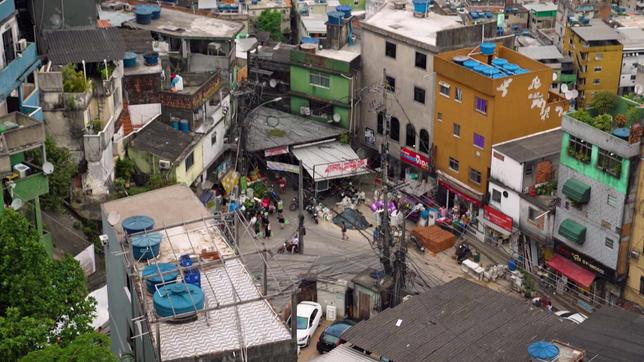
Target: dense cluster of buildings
(488, 108)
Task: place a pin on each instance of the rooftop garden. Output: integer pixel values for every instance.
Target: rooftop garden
(608, 111)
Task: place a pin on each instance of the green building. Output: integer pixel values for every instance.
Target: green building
(23, 181)
(324, 84)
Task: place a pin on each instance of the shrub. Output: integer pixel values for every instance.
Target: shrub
(74, 81)
(603, 122)
(604, 102)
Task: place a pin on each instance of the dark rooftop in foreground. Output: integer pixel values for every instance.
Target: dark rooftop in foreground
(457, 321)
(533, 147)
(162, 140)
(91, 45)
(610, 334)
(271, 128)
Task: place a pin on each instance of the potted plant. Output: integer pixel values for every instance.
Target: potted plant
(620, 120)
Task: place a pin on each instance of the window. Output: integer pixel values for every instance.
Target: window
(424, 141)
(479, 141)
(609, 162)
(496, 195)
(612, 201)
(528, 169)
(9, 50)
(213, 139)
(190, 160)
(391, 83)
(456, 130)
(480, 105)
(458, 95)
(596, 81)
(419, 95)
(579, 149)
(439, 116)
(390, 50)
(453, 164)
(598, 69)
(380, 127)
(475, 176)
(642, 285)
(609, 243)
(410, 136)
(394, 129)
(421, 60)
(536, 217)
(444, 89)
(318, 79)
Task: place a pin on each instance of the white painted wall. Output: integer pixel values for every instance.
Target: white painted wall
(508, 171)
(510, 205)
(141, 114)
(213, 142)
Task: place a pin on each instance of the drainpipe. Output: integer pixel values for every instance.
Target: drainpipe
(351, 111)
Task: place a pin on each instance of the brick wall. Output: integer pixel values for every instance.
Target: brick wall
(142, 89)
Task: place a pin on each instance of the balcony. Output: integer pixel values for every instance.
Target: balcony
(11, 74)
(198, 88)
(18, 133)
(7, 8)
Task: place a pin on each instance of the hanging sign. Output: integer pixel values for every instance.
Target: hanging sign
(414, 158)
(276, 151)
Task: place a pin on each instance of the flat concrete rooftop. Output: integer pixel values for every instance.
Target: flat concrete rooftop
(185, 25)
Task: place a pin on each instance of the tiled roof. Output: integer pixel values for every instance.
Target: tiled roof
(89, 45)
(162, 140)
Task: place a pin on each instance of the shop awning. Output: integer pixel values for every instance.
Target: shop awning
(573, 231)
(571, 270)
(576, 190)
(330, 160)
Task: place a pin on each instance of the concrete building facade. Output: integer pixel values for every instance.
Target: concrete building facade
(633, 54)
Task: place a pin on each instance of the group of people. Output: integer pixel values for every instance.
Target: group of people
(261, 223)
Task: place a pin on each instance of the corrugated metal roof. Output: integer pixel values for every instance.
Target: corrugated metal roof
(344, 353)
(596, 31)
(91, 45)
(162, 140)
(458, 321)
(320, 161)
(532, 147)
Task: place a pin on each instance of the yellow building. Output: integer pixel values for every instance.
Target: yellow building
(597, 55)
(634, 290)
(475, 110)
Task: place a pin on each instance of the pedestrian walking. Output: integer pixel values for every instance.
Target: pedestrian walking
(280, 206)
(344, 232)
(280, 219)
(268, 230)
(256, 225)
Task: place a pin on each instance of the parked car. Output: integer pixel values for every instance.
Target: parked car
(576, 318)
(308, 319)
(331, 335)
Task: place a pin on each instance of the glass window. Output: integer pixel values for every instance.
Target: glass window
(190, 160)
(319, 79)
(612, 201)
(479, 141)
(424, 141)
(475, 176)
(380, 127)
(496, 195)
(390, 50)
(302, 322)
(421, 60)
(598, 69)
(391, 83)
(528, 169)
(609, 162)
(394, 129)
(456, 130)
(410, 136)
(480, 105)
(453, 164)
(444, 88)
(419, 95)
(579, 149)
(458, 95)
(642, 285)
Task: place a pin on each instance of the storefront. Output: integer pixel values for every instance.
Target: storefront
(461, 201)
(497, 226)
(415, 170)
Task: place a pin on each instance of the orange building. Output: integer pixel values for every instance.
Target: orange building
(484, 96)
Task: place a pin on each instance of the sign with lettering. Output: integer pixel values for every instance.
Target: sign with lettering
(584, 260)
(280, 166)
(414, 158)
(276, 151)
(497, 218)
(343, 167)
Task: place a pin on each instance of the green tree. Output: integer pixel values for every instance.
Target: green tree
(604, 102)
(60, 180)
(19, 334)
(270, 21)
(74, 81)
(603, 122)
(90, 347)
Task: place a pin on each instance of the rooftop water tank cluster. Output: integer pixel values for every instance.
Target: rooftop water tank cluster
(421, 7)
(344, 9)
(335, 17)
(136, 224)
(146, 246)
(145, 13)
(177, 299)
(496, 67)
(159, 274)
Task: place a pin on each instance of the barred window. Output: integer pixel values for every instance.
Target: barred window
(579, 149)
(610, 163)
(319, 79)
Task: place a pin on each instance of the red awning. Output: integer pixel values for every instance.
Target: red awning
(573, 271)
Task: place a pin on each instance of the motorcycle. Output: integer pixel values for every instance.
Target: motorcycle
(292, 246)
(462, 252)
(295, 203)
(312, 210)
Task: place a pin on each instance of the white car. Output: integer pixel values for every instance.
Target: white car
(308, 319)
(576, 318)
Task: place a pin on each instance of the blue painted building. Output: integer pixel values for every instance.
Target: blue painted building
(18, 62)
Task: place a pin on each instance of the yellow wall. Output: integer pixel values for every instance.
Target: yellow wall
(508, 117)
(636, 266)
(586, 59)
(195, 171)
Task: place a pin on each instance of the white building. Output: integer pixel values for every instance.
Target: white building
(522, 192)
(632, 55)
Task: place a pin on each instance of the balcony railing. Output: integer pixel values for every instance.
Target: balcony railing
(10, 74)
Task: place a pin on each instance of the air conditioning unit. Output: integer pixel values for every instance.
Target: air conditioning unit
(164, 165)
(22, 45)
(635, 254)
(306, 111)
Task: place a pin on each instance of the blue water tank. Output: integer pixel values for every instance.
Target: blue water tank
(470, 64)
(512, 265)
(174, 123)
(480, 68)
(489, 71)
(521, 71)
(178, 298)
(190, 276)
(474, 15)
(136, 224)
(129, 60)
(488, 48)
(499, 62)
(622, 133)
(161, 273)
(184, 126)
(511, 67)
(344, 9)
(151, 58)
(156, 11)
(335, 17)
(309, 40)
(146, 246)
(543, 351)
(143, 14)
(420, 6)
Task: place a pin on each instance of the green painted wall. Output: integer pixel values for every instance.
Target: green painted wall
(591, 170)
(344, 112)
(338, 86)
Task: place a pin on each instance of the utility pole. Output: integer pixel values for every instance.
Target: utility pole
(400, 266)
(265, 280)
(294, 314)
(300, 228)
(385, 259)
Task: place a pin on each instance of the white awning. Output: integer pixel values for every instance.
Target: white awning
(326, 161)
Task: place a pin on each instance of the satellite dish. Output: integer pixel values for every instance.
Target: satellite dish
(113, 218)
(336, 117)
(568, 95)
(575, 93)
(564, 87)
(16, 204)
(48, 168)
(639, 89)
(554, 76)
(272, 83)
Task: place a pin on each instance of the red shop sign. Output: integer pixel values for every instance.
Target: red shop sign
(276, 151)
(498, 218)
(414, 158)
